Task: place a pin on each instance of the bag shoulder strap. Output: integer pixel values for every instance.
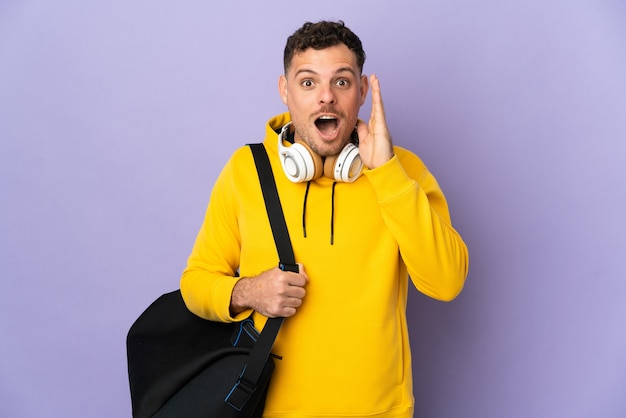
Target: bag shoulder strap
(261, 351)
(273, 206)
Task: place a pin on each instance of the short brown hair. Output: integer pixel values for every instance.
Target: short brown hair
(322, 35)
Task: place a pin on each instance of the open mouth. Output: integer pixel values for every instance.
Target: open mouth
(327, 125)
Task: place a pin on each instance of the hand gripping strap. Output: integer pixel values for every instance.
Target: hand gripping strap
(249, 378)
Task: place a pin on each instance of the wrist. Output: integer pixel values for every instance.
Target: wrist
(238, 302)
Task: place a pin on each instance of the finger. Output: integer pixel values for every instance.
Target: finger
(293, 303)
(287, 308)
(287, 312)
(297, 282)
(290, 278)
(295, 292)
(362, 129)
(290, 307)
(378, 109)
(302, 272)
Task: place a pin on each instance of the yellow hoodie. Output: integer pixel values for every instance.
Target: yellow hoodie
(346, 351)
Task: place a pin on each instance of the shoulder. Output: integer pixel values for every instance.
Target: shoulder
(236, 171)
(411, 162)
(240, 159)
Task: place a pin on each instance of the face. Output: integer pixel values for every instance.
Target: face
(324, 90)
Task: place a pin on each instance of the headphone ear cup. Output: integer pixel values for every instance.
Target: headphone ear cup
(346, 167)
(300, 163)
(312, 160)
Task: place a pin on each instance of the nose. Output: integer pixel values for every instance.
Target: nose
(327, 96)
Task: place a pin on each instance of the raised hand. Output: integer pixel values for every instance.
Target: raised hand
(375, 144)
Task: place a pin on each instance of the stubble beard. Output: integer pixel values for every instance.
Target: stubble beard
(328, 149)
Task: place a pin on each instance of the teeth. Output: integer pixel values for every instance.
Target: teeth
(327, 117)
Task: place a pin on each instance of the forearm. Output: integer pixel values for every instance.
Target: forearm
(415, 211)
(208, 295)
(239, 301)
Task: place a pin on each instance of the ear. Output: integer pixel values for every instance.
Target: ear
(364, 88)
(282, 88)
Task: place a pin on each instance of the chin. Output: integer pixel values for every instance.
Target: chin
(327, 149)
(323, 148)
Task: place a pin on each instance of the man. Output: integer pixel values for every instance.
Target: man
(357, 237)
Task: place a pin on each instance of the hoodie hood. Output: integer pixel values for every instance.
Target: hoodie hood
(272, 129)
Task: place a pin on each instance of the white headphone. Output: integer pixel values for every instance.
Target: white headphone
(300, 163)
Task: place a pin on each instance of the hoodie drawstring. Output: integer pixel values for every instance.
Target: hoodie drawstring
(306, 196)
(332, 212)
(332, 215)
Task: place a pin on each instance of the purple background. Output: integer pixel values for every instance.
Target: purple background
(116, 117)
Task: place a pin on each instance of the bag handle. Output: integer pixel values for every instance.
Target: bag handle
(247, 382)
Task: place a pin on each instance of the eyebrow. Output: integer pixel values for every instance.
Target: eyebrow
(339, 71)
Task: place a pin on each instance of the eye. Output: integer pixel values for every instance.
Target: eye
(343, 82)
(308, 83)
